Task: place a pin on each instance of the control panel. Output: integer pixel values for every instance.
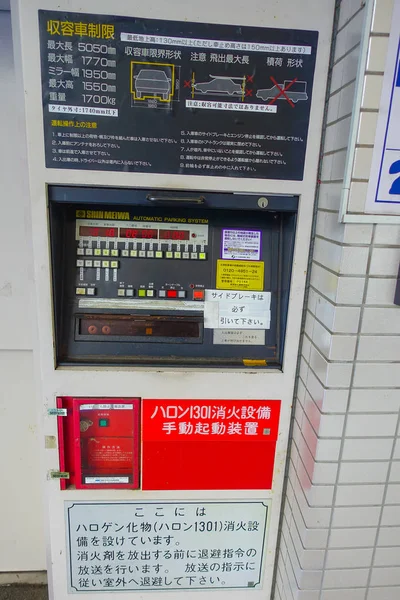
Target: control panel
(170, 278)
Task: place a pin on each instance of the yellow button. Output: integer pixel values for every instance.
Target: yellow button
(177, 255)
(169, 255)
(106, 252)
(105, 264)
(134, 253)
(97, 252)
(141, 293)
(115, 252)
(80, 291)
(159, 254)
(114, 264)
(121, 292)
(202, 256)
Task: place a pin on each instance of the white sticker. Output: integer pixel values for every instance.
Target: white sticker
(94, 480)
(239, 337)
(241, 244)
(237, 310)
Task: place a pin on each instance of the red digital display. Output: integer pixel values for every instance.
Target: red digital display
(143, 234)
(167, 234)
(98, 231)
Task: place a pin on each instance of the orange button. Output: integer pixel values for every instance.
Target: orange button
(198, 294)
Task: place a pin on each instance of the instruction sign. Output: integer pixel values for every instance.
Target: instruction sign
(384, 183)
(165, 546)
(237, 310)
(241, 244)
(237, 275)
(152, 96)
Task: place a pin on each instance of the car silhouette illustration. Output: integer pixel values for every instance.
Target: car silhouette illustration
(220, 85)
(152, 82)
(296, 92)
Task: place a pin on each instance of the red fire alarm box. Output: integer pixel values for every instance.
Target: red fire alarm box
(99, 442)
(209, 444)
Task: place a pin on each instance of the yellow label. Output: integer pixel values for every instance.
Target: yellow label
(250, 362)
(240, 275)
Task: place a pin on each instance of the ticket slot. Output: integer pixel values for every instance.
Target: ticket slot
(139, 328)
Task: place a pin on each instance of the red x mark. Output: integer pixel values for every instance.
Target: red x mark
(250, 78)
(282, 91)
(249, 92)
(187, 83)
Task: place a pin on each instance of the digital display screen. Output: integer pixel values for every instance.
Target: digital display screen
(143, 234)
(167, 234)
(98, 231)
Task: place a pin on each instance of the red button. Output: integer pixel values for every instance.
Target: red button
(198, 294)
(172, 294)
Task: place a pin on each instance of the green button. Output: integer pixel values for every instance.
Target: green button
(141, 293)
(103, 422)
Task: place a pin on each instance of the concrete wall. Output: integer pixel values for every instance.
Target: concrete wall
(21, 537)
(341, 527)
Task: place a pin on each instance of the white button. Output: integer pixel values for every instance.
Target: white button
(129, 293)
(169, 254)
(193, 256)
(115, 252)
(105, 264)
(90, 291)
(161, 294)
(133, 253)
(142, 253)
(150, 254)
(150, 293)
(80, 263)
(88, 263)
(121, 292)
(125, 252)
(97, 263)
(80, 251)
(80, 291)
(89, 251)
(182, 294)
(186, 255)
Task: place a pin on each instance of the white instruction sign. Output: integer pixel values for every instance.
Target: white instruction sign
(241, 244)
(237, 310)
(165, 546)
(239, 337)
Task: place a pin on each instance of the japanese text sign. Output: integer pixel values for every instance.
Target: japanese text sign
(165, 546)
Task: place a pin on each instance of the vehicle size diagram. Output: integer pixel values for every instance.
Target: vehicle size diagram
(294, 91)
(221, 85)
(154, 85)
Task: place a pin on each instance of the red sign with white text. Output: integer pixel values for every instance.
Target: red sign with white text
(209, 444)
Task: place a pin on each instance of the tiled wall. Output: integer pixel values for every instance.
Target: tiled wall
(341, 525)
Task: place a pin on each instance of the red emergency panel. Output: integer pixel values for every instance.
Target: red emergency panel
(208, 444)
(99, 442)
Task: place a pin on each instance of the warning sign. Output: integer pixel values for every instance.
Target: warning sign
(236, 275)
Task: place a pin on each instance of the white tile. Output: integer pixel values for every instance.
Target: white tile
(337, 135)
(322, 338)
(329, 196)
(367, 128)
(383, 593)
(346, 320)
(324, 473)
(377, 375)
(372, 91)
(362, 163)
(335, 401)
(347, 9)
(396, 455)
(345, 558)
(379, 348)
(352, 537)
(327, 254)
(350, 66)
(331, 425)
(382, 16)
(381, 320)
(370, 426)
(388, 235)
(377, 52)
(328, 226)
(349, 36)
(327, 450)
(395, 473)
(367, 449)
(342, 347)
(390, 515)
(385, 576)
(358, 233)
(359, 495)
(363, 472)
(343, 594)
(393, 494)
(344, 578)
(374, 400)
(350, 290)
(357, 196)
(339, 375)
(354, 260)
(385, 261)
(306, 348)
(389, 536)
(346, 100)
(337, 76)
(387, 557)
(333, 108)
(362, 516)
(338, 165)
(324, 281)
(381, 291)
